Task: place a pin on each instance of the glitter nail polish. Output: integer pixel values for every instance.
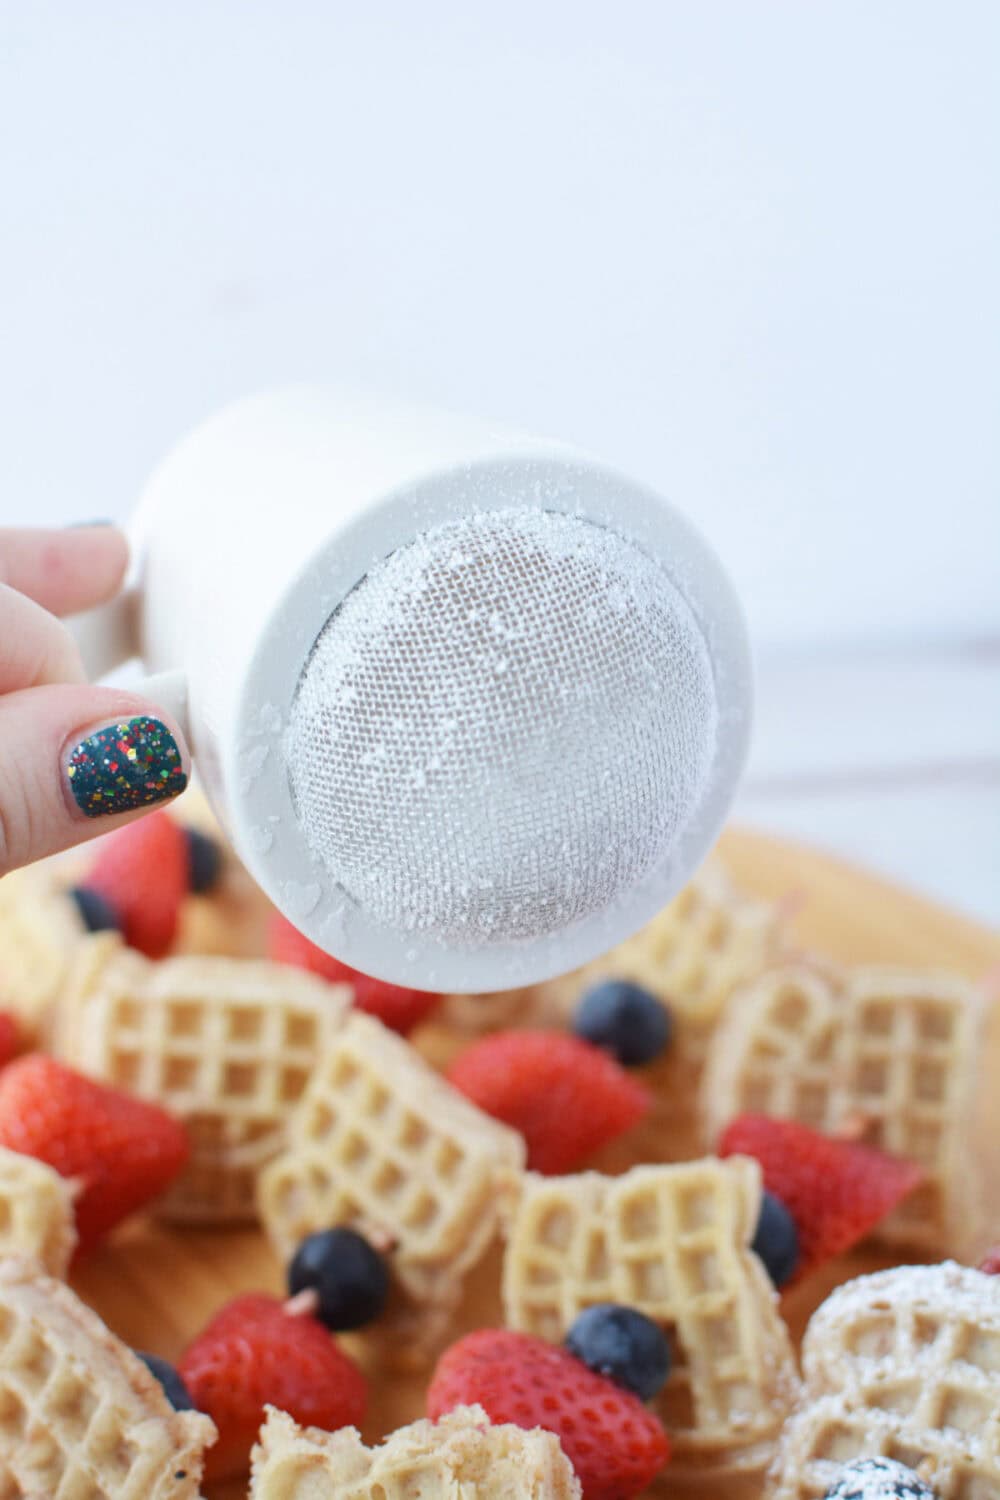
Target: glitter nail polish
(126, 765)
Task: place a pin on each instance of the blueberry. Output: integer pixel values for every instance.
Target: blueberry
(623, 1344)
(626, 1020)
(878, 1479)
(204, 861)
(351, 1278)
(96, 913)
(776, 1240)
(174, 1388)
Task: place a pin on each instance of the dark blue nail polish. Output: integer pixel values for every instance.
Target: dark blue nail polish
(129, 764)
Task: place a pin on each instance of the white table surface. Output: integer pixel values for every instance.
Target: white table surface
(890, 757)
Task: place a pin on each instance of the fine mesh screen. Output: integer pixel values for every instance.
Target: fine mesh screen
(502, 728)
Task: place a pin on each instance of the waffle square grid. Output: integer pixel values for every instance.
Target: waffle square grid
(673, 1242)
(80, 1418)
(904, 1364)
(883, 1054)
(226, 1045)
(380, 1139)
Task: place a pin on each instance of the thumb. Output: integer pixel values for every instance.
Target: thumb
(76, 761)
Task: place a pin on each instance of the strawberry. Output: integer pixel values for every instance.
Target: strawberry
(142, 870)
(835, 1190)
(255, 1353)
(615, 1445)
(566, 1096)
(122, 1151)
(396, 1007)
(990, 1263)
(10, 1037)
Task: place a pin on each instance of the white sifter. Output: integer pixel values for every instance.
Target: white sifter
(470, 706)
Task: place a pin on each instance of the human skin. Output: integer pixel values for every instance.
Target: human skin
(59, 734)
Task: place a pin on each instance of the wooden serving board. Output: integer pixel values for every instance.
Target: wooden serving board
(157, 1287)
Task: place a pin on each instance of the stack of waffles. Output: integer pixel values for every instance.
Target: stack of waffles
(379, 1141)
(672, 1241)
(905, 1365)
(80, 1415)
(227, 1045)
(889, 1056)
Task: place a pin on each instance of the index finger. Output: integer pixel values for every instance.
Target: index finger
(64, 571)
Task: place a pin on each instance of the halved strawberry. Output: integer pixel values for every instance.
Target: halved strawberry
(566, 1097)
(836, 1191)
(615, 1445)
(122, 1151)
(254, 1353)
(396, 1007)
(142, 870)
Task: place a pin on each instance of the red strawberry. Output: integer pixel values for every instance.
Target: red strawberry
(835, 1190)
(253, 1353)
(615, 1445)
(122, 1151)
(990, 1263)
(10, 1037)
(142, 869)
(398, 1008)
(565, 1096)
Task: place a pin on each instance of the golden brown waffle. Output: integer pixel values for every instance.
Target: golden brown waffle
(887, 1055)
(709, 940)
(225, 1044)
(36, 1212)
(904, 1364)
(462, 1457)
(382, 1141)
(40, 932)
(672, 1241)
(81, 1418)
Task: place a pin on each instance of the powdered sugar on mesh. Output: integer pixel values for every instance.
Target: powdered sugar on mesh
(502, 728)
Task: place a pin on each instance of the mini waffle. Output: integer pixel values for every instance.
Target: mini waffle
(904, 1364)
(381, 1141)
(672, 1241)
(81, 1418)
(226, 1045)
(887, 1055)
(36, 1212)
(462, 1457)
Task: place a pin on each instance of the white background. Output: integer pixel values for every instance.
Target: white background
(747, 250)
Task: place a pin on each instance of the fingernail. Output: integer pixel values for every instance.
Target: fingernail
(126, 765)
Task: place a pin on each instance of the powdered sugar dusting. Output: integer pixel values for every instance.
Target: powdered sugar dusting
(906, 1319)
(970, 1293)
(502, 729)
